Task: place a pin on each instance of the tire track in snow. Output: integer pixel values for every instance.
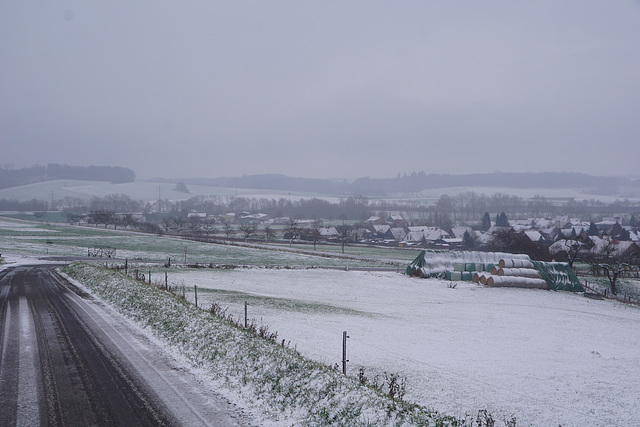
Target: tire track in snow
(28, 369)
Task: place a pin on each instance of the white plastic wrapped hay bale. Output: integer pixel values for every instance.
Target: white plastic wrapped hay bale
(516, 282)
(515, 263)
(522, 272)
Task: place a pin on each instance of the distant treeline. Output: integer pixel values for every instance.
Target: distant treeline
(26, 206)
(13, 177)
(416, 182)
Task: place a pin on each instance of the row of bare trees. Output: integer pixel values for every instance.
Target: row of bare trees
(447, 211)
(471, 206)
(606, 260)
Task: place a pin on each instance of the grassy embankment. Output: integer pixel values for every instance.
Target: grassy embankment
(286, 387)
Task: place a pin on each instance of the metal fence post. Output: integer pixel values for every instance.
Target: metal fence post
(344, 352)
(246, 320)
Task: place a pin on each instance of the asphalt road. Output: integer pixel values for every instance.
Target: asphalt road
(67, 360)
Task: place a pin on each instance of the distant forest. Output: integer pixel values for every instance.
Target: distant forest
(10, 177)
(416, 182)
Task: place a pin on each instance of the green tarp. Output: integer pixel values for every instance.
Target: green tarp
(559, 276)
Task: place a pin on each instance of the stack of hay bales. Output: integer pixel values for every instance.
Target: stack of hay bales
(516, 273)
(495, 269)
(468, 271)
(481, 277)
(440, 264)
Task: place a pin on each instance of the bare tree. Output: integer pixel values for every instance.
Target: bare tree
(292, 232)
(119, 203)
(175, 224)
(613, 264)
(194, 223)
(102, 217)
(248, 230)
(229, 231)
(128, 220)
(269, 234)
(314, 233)
(574, 247)
(446, 206)
(73, 217)
(613, 271)
(344, 238)
(209, 227)
(71, 202)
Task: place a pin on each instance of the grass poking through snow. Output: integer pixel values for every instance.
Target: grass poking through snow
(286, 387)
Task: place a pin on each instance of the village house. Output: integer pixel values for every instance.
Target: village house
(257, 218)
(328, 233)
(397, 233)
(605, 247)
(396, 221)
(425, 234)
(378, 231)
(375, 220)
(459, 230)
(283, 220)
(198, 215)
(607, 223)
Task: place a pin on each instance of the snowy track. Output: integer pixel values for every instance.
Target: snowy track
(67, 361)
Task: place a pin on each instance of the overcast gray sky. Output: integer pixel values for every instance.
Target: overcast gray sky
(322, 89)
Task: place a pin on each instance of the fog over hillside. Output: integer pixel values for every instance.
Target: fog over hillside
(404, 189)
(416, 182)
(401, 184)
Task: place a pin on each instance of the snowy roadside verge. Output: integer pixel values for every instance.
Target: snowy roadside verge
(284, 387)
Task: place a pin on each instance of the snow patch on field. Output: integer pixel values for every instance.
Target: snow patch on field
(276, 381)
(545, 357)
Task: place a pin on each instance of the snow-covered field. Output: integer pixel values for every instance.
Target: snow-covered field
(579, 194)
(151, 191)
(139, 190)
(29, 237)
(545, 358)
